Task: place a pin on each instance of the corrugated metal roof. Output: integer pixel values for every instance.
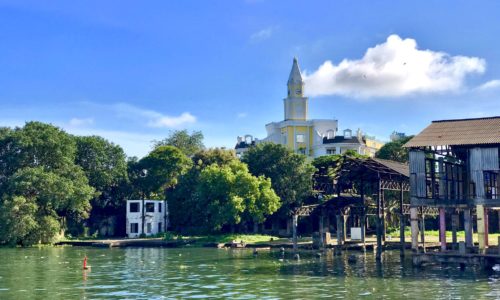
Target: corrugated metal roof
(459, 132)
(401, 168)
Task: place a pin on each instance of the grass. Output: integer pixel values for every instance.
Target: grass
(226, 238)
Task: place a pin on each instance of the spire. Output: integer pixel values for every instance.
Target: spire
(295, 76)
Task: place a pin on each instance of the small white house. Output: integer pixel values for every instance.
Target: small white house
(154, 214)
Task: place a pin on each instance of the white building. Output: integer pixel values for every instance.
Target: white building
(154, 213)
(312, 137)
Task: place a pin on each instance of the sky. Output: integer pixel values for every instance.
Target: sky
(133, 71)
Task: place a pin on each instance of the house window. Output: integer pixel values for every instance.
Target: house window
(134, 227)
(331, 151)
(149, 227)
(150, 207)
(159, 207)
(300, 138)
(160, 227)
(133, 207)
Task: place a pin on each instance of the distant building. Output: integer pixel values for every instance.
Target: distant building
(396, 136)
(312, 137)
(154, 213)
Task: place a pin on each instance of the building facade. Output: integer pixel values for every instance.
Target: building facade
(154, 215)
(311, 137)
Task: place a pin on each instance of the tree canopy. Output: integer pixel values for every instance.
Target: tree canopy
(290, 173)
(189, 144)
(395, 150)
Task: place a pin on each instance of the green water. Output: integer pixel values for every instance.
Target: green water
(154, 273)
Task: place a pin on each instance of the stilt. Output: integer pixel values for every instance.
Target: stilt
(414, 228)
(344, 227)
(454, 225)
(442, 228)
(481, 228)
(363, 229)
(295, 220)
(339, 229)
(401, 222)
(468, 228)
(321, 230)
(379, 221)
(422, 231)
(486, 227)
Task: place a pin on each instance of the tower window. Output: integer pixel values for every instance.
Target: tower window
(300, 138)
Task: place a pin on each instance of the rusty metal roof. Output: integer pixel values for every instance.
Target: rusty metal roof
(459, 132)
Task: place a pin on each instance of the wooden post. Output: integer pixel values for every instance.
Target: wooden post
(486, 227)
(454, 225)
(295, 220)
(422, 230)
(339, 229)
(442, 228)
(344, 227)
(401, 221)
(414, 228)
(468, 228)
(321, 229)
(379, 225)
(362, 218)
(481, 228)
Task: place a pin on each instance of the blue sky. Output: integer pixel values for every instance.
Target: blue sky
(131, 71)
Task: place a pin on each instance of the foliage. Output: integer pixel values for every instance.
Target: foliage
(189, 144)
(395, 150)
(218, 192)
(41, 185)
(290, 173)
(159, 171)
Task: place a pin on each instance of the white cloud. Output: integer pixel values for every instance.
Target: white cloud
(262, 35)
(76, 122)
(492, 84)
(153, 118)
(242, 115)
(392, 69)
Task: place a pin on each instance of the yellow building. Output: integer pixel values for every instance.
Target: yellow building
(312, 137)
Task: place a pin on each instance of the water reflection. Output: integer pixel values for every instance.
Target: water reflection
(149, 273)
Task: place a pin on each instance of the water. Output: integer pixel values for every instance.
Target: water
(155, 273)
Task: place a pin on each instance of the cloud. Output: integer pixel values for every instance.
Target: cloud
(153, 118)
(492, 84)
(76, 122)
(242, 115)
(263, 34)
(394, 68)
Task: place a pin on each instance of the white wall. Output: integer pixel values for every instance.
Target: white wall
(153, 218)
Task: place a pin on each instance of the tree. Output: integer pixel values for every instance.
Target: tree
(40, 183)
(395, 150)
(290, 173)
(229, 193)
(189, 144)
(52, 198)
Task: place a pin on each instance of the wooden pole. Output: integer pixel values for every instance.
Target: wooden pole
(294, 230)
(401, 221)
(414, 228)
(481, 228)
(379, 225)
(363, 214)
(486, 227)
(468, 228)
(422, 230)
(321, 228)
(454, 225)
(339, 229)
(442, 228)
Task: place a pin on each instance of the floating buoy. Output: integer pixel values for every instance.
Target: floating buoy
(85, 266)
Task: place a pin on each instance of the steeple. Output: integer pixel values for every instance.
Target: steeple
(295, 102)
(295, 76)
(295, 83)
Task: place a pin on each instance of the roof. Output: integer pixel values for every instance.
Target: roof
(400, 168)
(341, 139)
(295, 76)
(459, 132)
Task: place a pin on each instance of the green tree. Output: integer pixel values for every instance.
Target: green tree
(189, 144)
(290, 173)
(395, 150)
(17, 221)
(38, 172)
(230, 192)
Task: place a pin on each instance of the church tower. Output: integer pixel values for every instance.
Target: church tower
(295, 102)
